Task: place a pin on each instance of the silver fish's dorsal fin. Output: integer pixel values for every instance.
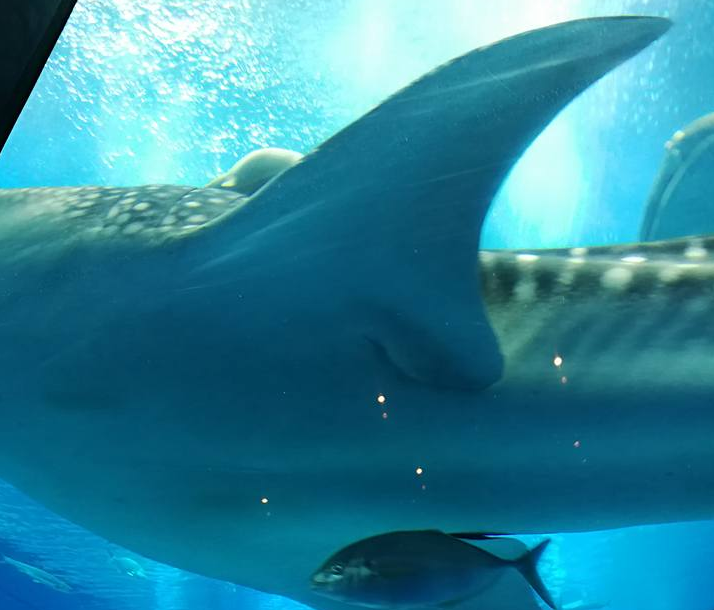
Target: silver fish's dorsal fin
(680, 202)
(406, 188)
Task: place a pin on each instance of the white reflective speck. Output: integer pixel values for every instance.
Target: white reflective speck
(634, 258)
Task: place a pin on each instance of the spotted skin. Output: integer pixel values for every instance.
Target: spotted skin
(148, 213)
(601, 307)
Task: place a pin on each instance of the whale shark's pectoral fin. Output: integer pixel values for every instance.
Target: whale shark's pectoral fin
(29, 31)
(387, 213)
(680, 202)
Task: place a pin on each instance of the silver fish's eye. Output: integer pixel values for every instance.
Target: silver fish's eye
(337, 569)
(328, 575)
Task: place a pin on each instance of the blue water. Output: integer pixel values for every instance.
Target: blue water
(163, 91)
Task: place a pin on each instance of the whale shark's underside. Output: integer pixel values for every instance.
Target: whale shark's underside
(239, 386)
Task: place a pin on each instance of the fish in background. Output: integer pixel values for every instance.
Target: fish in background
(681, 201)
(414, 569)
(38, 575)
(126, 565)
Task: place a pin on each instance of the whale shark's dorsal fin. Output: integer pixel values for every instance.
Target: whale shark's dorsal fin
(29, 31)
(406, 188)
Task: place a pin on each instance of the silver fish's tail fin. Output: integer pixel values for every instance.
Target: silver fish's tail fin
(528, 567)
(391, 207)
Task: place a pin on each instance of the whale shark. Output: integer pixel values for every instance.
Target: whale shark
(239, 384)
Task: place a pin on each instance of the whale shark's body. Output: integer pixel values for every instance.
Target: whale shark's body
(238, 386)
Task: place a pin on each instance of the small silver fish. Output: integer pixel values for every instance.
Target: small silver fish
(413, 569)
(126, 565)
